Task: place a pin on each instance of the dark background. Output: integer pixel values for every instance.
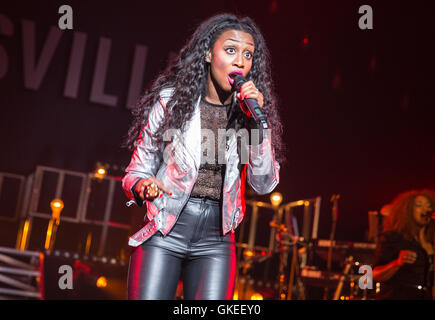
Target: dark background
(357, 105)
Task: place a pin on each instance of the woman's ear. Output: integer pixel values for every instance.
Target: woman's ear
(208, 57)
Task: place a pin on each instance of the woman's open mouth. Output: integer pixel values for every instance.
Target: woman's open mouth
(232, 75)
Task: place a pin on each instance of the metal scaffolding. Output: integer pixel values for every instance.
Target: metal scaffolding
(31, 204)
(282, 217)
(21, 274)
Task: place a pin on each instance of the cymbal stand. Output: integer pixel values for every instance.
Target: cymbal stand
(334, 200)
(347, 268)
(284, 246)
(282, 262)
(246, 266)
(294, 269)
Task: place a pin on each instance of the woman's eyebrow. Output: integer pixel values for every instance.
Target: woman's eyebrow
(249, 43)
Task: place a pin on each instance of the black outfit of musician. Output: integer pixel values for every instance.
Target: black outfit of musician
(411, 281)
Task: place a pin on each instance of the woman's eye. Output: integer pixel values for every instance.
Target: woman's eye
(419, 205)
(248, 55)
(230, 50)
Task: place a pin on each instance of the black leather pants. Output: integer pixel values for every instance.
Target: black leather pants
(195, 248)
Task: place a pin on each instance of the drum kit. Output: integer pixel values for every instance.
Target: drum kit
(310, 269)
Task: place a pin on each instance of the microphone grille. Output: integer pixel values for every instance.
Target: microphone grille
(239, 80)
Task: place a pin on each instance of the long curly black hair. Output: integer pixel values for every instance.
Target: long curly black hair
(187, 75)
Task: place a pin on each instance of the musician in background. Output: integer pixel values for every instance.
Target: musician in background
(404, 255)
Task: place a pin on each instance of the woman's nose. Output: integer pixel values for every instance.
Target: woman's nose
(239, 61)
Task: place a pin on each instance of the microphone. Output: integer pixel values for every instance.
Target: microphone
(430, 215)
(250, 103)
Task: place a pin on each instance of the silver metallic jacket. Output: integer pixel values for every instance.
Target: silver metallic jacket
(177, 167)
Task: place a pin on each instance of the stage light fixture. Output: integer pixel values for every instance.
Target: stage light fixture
(256, 296)
(100, 170)
(56, 206)
(101, 282)
(100, 173)
(248, 253)
(276, 199)
(236, 295)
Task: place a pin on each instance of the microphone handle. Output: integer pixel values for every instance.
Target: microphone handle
(257, 114)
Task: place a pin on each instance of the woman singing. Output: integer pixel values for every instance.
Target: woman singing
(404, 254)
(189, 174)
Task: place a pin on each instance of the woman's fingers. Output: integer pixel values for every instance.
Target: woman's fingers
(407, 256)
(160, 185)
(141, 188)
(249, 90)
(411, 256)
(151, 188)
(163, 188)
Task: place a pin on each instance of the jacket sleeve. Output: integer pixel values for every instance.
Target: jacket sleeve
(262, 170)
(146, 157)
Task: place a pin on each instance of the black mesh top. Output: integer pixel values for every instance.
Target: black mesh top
(212, 169)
